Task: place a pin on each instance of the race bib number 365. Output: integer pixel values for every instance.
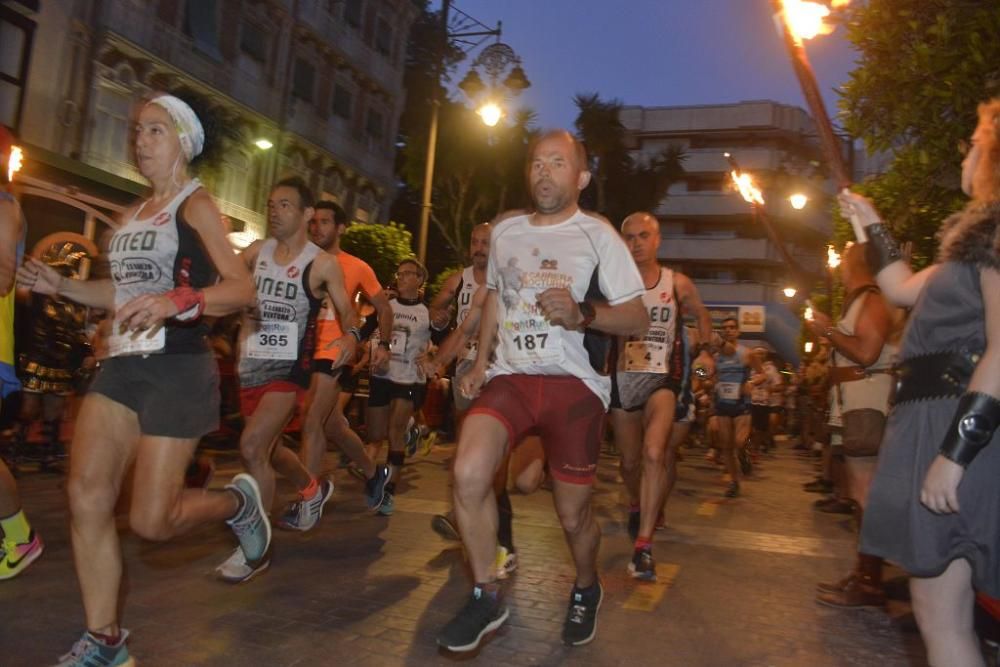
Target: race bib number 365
(274, 340)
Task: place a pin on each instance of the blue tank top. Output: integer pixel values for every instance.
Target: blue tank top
(731, 374)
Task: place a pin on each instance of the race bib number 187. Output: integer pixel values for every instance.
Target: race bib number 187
(538, 348)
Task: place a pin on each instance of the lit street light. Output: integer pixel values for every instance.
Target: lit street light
(491, 113)
(494, 59)
(263, 144)
(790, 292)
(798, 201)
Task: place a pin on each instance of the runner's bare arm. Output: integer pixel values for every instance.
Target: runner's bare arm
(441, 304)
(40, 277)
(487, 328)
(329, 277)
(10, 234)
(235, 289)
(625, 319)
(464, 332)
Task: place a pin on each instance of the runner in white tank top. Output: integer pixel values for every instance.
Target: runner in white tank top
(162, 383)
(650, 378)
(292, 275)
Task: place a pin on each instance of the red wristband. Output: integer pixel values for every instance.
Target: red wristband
(190, 303)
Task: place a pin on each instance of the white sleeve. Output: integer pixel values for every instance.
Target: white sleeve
(617, 273)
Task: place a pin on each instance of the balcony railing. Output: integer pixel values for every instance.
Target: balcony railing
(171, 45)
(316, 16)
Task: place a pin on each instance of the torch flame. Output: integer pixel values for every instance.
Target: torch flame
(744, 183)
(808, 314)
(14, 162)
(832, 257)
(804, 19)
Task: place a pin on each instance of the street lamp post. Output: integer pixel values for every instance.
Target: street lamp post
(432, 132)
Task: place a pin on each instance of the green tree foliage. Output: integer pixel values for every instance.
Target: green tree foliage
(382, 246)
(621, 182)
(924, 66)
(439, 280)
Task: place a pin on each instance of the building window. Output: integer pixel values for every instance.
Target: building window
(374, 125)
(253, 41)
(383, 37)
(342, 102)
(16, 33)
(201, 24)
(353, 12)
(304, 80)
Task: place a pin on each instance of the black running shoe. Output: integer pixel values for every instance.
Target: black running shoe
(581, 617)
(375, 487)
(733, 491)
(444, 526)
(642, 565)
(481, 615)
(746, 461)
(633, 524)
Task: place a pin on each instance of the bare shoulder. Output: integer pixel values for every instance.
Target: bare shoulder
(200, 210)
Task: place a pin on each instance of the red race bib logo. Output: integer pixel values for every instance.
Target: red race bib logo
(293, 272)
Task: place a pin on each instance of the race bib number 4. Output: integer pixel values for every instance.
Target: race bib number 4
(135, 342)
(645, 357)
(274, 340)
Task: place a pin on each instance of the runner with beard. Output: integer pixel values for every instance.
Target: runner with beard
(324, 418)
(539, 303)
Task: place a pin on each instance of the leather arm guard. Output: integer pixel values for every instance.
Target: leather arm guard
(190, 303)
(884, 247)
(972, 428)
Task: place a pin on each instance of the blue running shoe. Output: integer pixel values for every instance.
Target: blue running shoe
(375, 487)
(388, 506)
(303, 514)
(91, 652)
(252, 529)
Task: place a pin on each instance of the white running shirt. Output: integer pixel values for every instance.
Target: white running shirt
(525, 260)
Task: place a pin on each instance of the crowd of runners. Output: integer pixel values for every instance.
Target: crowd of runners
(565, 329)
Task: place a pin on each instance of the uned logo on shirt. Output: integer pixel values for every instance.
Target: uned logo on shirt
(162, 219)
(293, 272)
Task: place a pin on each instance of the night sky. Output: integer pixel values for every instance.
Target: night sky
(654, 52)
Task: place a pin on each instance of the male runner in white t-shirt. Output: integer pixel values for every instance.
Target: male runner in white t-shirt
(544, 377)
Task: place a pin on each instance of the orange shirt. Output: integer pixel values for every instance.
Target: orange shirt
(358, 277)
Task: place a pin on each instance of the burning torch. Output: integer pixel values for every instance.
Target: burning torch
(744, 183)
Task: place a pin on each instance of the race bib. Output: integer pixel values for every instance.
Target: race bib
(729, 391)
(397, 345)
(542, 347)
(274, 339)
(135, 342)
(645, 357)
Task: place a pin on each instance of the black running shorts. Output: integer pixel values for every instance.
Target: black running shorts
(381, 391)
(173, 395)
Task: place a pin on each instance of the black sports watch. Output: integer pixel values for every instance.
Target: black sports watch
(589, 313)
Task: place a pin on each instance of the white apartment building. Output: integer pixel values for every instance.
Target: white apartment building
(711, 234)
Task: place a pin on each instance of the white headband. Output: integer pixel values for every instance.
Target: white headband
(189, 129)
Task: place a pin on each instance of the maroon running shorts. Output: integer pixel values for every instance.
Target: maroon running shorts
(567, 416)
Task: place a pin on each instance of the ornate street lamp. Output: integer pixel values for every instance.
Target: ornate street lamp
(494, 60)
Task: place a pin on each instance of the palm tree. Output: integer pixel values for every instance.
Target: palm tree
(601, 131)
